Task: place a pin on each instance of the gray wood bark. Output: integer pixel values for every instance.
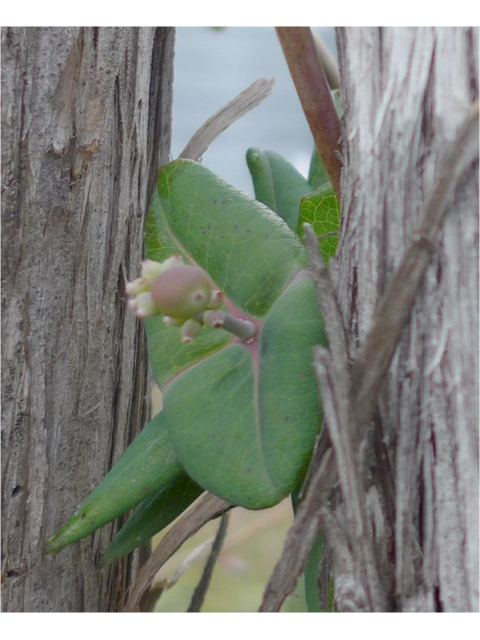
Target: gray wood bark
(86, 122)
(405, 93)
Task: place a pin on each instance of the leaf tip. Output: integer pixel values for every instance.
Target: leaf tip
(52, 547)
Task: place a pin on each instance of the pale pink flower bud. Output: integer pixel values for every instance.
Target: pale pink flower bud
(145, 307)
(182, 292)
(150, 269)
(214, 318)
(190, 330)
(140, 285)
(172, 322)
(173, 261)
(216, 299)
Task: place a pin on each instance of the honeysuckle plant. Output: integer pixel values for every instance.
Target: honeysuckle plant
(231, 317)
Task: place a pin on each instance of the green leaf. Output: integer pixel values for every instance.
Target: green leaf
(148, 464)
(247, 250)
(152, 515)
(243, 421)
(310, 574)
(237, 240)
(321, 210)
(317, 174)
(170, 356)
(277, 184)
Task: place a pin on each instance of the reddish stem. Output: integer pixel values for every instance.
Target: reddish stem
(312, 87)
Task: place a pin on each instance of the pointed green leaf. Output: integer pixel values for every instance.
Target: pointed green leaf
(152, 515)
(321, 210)
(148, 464)
(317, 174)
(310, 574)
(248, 251)
(247, 430)
(277, 184)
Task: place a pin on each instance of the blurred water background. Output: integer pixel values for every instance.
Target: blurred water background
(211, 67)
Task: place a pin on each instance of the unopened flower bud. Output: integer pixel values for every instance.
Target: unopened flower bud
(190, 330)
(172, 322)
(216, 299)
(214, 318)
(150, 269)
(145, 307)
(173, 261)
(140, 285)
(182, 292)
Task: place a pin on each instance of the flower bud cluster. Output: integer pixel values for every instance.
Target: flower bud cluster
(179, 292)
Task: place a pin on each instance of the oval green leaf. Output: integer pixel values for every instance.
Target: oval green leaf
(247, 250)
(277, 184)
(321, 210)
(243, 421)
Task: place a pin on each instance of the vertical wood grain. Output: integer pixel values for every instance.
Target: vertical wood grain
(86, 122)
(405, 93)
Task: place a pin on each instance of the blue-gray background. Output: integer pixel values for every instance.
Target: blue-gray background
(213, 66)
